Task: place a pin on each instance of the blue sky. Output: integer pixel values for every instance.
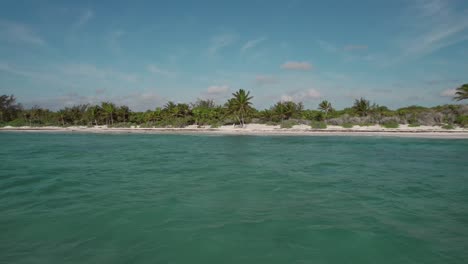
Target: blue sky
(144, 53)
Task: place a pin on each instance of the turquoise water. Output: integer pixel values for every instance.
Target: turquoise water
(87, 198)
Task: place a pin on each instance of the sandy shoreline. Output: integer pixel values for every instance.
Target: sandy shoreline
(258, 129)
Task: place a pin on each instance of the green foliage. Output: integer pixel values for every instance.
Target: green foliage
(238, 110)
(18, 123)
(462, 121)
(271, 123)
(414, 125)
(347, 125)
(390, 124)
(288, 124)
(9, 109)
(325, 107)
(365, 124)
(461, 92)
(240, 106)
(448, 126)
(362, 107)
(286, 110)
(318, 125)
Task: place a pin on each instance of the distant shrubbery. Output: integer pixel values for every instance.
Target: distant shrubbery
(237, 110)
(288, 124)
(390, 124)
(318, 125)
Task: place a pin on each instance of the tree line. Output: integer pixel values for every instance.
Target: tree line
(237, 110)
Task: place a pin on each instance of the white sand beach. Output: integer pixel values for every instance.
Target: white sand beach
(261, 129)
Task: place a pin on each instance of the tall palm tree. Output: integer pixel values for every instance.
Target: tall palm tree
(461, 92)
(325, 107)
(240, 105)
(109, 109)
(362, 106)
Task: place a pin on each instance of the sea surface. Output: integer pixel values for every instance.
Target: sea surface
(103, 198)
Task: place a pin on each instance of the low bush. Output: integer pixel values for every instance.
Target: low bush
(271, 123)
(414, 125)
(318, 125)
(390, 124)
(347, 125)
(462, 121)
(288, 124)
(448, 126)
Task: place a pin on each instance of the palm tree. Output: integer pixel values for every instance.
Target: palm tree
(109, 109)
(325, 107)
(240, 105)
(362, 107)
(461, 92)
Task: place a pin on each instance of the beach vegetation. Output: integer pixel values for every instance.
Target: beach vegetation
(461, 93)
(390, 124)
(288, 123)
(237, 110)
(448, 126)
(318, 125)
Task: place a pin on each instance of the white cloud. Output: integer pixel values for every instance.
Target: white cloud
(265, 79)
(297, 65)
(327, 46)
(301, 95)
(157, 70)
(433, 25)
(84, 18)
(252, 44)
(448, 93)
(15, 32)
(221, 41)
(93, 73)
(217, 90)
(137, 101)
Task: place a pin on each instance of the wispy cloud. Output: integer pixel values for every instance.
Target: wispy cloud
(217, 90)
(265, 79)
(327, 46)
(434, 25)
(448, 93)
(158, 70)
(137, 101)
(301, 95)
(19, 33)
(252, 44)
(220, 42)
(92, 72)
(297, 65)
(84, 18)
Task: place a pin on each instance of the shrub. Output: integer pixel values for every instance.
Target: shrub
(18, 123)
(414, 125)
(390, 124)
(121, 125)
(462, 120)
(318, 125)
(288, 124)
(448, 126)
(271, 123)
(347, 125)
(365, 124)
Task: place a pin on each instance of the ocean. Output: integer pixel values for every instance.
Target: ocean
(137, 198)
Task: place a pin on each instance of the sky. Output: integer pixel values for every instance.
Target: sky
(145, 53)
